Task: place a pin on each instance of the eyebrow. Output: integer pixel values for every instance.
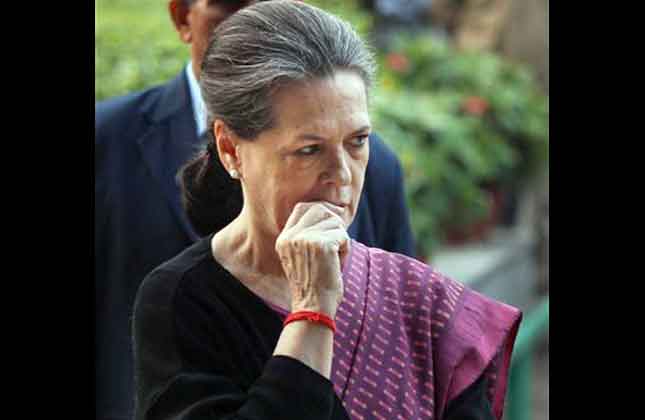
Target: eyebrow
(315, 137)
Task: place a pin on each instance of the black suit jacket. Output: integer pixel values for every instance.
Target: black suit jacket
(141, 140)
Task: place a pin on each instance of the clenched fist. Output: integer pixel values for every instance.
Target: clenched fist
(311, 247)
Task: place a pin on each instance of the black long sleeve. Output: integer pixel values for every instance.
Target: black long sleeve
(195, 361)
(287, 389)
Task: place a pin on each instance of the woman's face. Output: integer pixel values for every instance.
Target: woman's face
(317, 151)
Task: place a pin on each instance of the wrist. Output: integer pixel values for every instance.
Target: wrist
(311, 343)
(327, 309)
(324, 303)
(313, 317)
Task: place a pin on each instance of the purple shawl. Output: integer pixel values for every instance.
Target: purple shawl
(409, 340)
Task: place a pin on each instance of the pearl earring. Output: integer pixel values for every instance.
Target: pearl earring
(234, 173)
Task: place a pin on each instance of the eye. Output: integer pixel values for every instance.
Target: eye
(308, 150)
(359, 141)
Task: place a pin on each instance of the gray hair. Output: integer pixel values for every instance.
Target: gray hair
(250, 56)
(268, 45)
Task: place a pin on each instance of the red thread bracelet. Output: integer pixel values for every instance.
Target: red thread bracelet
(311, 316)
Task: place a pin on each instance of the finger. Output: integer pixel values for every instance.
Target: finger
(334, 208)
(335, 239)
(302, 217)
(330, 222)
(314, 209)
(316, 213)
(344, 251)
(296, 213)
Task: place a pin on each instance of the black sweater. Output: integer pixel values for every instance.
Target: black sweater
(203, 346)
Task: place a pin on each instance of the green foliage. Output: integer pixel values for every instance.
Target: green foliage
(456, 120)
(135, 46)
(459, 121)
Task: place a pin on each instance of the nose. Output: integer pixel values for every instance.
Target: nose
(338, 170)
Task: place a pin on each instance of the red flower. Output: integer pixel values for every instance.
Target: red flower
(475, 105)
(398, 62)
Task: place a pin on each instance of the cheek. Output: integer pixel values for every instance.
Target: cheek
(290, 191)
(277, 187)
(284, 198)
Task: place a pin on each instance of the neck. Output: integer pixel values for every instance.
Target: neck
(242, 244)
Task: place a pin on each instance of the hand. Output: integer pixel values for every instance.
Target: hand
(311, 247)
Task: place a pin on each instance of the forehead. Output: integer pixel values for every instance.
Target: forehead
(335, 103)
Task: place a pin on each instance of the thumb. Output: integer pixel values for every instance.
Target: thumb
(343, 252)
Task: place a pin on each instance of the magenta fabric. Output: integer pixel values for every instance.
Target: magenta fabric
(409, 340)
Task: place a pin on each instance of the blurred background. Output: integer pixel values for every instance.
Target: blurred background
(462, 98)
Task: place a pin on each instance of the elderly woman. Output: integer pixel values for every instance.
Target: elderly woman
(279, 315)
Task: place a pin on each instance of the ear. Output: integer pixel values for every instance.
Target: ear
(228, 147)
(179, 14)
